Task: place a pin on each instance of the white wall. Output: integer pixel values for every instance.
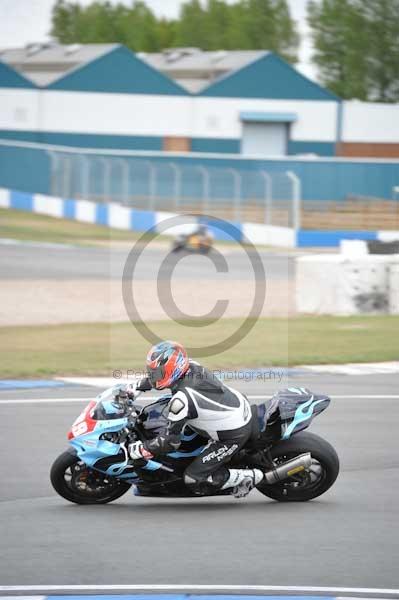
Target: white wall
(18, 109)
(370, 122)
(220, 117)
(118, 114)
(146, 115)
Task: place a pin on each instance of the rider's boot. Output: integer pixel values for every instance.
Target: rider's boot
(242, 481)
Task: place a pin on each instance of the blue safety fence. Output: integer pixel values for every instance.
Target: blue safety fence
(44, 169)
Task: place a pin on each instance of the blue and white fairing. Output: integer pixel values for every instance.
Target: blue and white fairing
(296, 407)
(92, 436)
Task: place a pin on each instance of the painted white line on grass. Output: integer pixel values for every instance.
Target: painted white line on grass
(33, 244)
(152, 398)
(369, 592)
(389, 367)
(24, 597)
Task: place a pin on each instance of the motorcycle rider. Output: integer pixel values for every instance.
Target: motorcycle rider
(215, 411)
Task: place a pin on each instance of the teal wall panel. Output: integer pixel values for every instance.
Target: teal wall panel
(24, 169)
(319, 148)
(137, 142)
(20, 136)
(86, 140)
(9, 78)
(233, 146)
(216, 145)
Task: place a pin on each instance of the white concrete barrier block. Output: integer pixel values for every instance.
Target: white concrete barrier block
(388, 236)
(353, 248)
(335, 284)
(119, 216)
(283, 237)
(4, 198)
(47, 205)
(363, 287)
(316, 287)
(255, 233)
(86, 211)
(269, 235)
(394, 289)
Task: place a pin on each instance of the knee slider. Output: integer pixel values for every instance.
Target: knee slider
(192, 481)
(205, 482)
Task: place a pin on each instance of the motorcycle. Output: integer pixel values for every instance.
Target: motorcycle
(297, 465)
(194, 242)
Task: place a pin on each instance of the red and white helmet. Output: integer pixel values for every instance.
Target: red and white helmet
(166, 363)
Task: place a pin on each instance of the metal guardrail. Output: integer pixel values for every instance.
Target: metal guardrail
(145, 183)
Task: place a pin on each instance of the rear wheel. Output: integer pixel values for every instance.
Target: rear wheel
(76, 482)
(309, 484)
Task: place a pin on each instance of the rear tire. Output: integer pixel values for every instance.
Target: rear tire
(301, 488)
(64, 481)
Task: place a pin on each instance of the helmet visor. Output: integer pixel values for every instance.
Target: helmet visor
(155, 374)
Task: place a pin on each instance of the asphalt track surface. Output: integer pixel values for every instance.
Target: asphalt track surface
(348, 537)
(61, 262)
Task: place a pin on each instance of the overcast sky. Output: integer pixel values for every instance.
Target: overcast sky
(23, 21)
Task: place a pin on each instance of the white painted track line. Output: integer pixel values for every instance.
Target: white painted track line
(243, 589)
(152, 398)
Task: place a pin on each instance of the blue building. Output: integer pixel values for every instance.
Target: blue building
(104, 95)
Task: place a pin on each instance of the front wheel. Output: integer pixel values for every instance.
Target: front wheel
(307, 484)
(76, 482)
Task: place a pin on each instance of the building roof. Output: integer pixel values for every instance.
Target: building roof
(191, 68)
(178, 71)
(45, 63)
(89, 67)
(195, 69)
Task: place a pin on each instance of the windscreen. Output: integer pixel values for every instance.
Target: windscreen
(108, 408)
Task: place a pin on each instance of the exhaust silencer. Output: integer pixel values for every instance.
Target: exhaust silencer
(289, 468)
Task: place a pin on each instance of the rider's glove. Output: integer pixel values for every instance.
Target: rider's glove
(137, 451)
(127, 391)
(122, 392)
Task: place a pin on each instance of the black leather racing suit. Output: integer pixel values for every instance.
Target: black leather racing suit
(215, 411)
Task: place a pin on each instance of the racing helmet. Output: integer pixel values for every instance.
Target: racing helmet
(166, 363)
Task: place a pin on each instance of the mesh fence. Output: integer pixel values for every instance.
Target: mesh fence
(232, 193)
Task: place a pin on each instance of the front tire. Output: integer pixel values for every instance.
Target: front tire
(76, 482)
(307, 485)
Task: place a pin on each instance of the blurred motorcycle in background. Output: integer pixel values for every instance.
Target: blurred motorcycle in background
(200, 240)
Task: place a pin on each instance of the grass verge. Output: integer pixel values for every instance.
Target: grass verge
(30, 227)
(26, 226)
(99, 348)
